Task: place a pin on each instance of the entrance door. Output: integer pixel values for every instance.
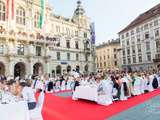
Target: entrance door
(19, 70)
(58, 70)
(37, 69)
(68, 69)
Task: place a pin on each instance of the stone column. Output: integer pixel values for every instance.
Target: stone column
(46, 67)
(11, 67)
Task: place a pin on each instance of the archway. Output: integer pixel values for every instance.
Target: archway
(68, 69)
(58, 70)
(53, 73)
(2, 69)
(19, 70)
(37, 69)
(77, 68)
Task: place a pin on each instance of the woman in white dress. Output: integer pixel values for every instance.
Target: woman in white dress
(124, 91)
(137, 84)
(151, 77)
(105, 92)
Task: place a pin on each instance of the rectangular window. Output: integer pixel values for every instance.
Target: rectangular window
(68, 44)
(147, 46)
(2, 11)
(151, 25)
(97, 65)
(85, 35)
(129, 60)
(138, 38)
(128, 42)
(115, 63)
(114, 49)
(38, 51)
(76, 44)
(139, 47)
(58, 56)
(155, 22)
(104, 64)
(68, 56)
(133, 50)
(100, 64)
(128, 51)
(122, 36)
(57, 29)
(67, 31)
(156, 32)
(124, 60)
(86, 57)
(104, 57)
(115, 56)
(77, 57)
(134, 59)
(58, 44)
(1, 49)
(76, 33)
(158, 45)
(137, 30)
(132, 32)
(149, 57)
(140, 58)
(20, 49)
(146, 27)
(124, 53)
(127, 34)
(123, 43)
(147, 35)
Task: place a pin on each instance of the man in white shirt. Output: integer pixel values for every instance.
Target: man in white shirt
(28, 95)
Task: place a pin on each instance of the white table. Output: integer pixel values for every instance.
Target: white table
(86, 92)
(14, 111)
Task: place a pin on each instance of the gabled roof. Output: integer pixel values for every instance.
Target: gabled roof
(143, 17)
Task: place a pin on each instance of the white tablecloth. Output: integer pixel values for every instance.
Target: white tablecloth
(14, 111)
(86, 92)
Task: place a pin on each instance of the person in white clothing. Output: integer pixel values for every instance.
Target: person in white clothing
(27, 94)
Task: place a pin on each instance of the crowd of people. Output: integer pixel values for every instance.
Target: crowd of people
(17, 90)
(112, 85)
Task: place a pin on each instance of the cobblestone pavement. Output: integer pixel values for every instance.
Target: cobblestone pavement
(149, 110)
(64, 94)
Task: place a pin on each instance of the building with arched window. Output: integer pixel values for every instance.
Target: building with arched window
(34, 40)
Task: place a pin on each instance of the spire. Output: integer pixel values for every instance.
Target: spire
(79, 10)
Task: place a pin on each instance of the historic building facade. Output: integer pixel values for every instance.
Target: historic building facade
(30, 44)
(140, 41)
(107, 55)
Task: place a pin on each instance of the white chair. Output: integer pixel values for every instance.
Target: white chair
(36, 114)
(58, 86)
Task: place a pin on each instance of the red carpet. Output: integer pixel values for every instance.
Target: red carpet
(58, 108)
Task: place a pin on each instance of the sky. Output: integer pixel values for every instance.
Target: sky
(110, 16)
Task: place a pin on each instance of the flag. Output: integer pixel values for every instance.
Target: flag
(42, 14)
(7, 9)
(12, 9)
(93, 36)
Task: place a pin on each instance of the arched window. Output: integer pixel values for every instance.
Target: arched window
(20, 16)
(2, 11)
(36, 19)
